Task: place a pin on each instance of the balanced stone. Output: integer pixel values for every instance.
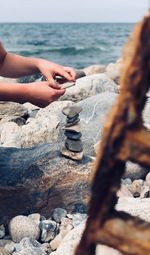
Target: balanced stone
(72, 155)
(71, 120)
(71, 111)
(75, 128)
(73, 135)
(70, 124)
(75, 146)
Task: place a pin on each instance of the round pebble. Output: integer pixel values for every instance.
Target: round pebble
(21, 227)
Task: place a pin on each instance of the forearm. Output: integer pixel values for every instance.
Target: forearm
(12, 92)
(15, 66)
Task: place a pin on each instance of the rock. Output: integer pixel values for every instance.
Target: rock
(9, 135)
(71, 240)
(145, 192)
(65, 226)
(38, 179)
(126, 181)
(124, 192)
(59, 214)
(20, 121)
(4, 242)
(72, 155)
(10, 80)
(3, 251)
(73, 135)
(92, 117)
(10, 247)
(54, 244)
(35, 217)
(29, 247)
(113, 71)
(70, 124)
(78, 218)
(32, 109)
(147, 180)
(75, 128)
(134, 171)
(73, 145)
(46, 248)
(94, 69)
(72, 111)
(49, 230)
(22, 226)
(136, 188)
(73, 119)
(89, 86)
(2, 231)
(137, 207)
(44, 127)
(12, 109)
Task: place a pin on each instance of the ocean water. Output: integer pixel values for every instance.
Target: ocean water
(76, 45)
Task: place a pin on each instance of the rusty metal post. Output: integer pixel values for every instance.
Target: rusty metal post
(124, 138)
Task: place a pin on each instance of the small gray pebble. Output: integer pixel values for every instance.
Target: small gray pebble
(58, 214)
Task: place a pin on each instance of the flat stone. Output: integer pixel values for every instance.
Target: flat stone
(75, 128)
(75, 146)
(71, 120)
(72, 155)
(73, 135)
(71, 111)
(70, 124)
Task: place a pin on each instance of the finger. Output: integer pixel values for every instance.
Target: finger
(71, 71)
(59, 92)
(65, 74)
(51, 81)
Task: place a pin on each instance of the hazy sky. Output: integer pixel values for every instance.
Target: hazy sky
(72, 10)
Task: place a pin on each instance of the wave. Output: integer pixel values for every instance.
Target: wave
(75, 50)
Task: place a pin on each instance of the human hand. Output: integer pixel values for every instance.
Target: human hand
(50, 70)
(40, 93)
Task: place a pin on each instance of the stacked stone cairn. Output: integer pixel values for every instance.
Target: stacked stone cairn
(73, 147)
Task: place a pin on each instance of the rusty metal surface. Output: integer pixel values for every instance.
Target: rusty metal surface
(124, 138)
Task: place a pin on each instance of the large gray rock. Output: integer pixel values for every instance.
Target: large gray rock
(10, 109)
(93, 115)
(89, 86)
(38, 179)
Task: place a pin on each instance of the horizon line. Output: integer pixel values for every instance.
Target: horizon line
(67, 22)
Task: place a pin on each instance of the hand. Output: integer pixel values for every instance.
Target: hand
(50, 69)
(40, 93)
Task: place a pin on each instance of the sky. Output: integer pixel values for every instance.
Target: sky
(72, 10)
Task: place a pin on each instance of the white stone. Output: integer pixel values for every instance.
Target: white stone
(21, 227)
(94, 69)
(113, 70)
(89, 86)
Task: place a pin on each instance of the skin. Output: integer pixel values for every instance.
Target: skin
(38, 93)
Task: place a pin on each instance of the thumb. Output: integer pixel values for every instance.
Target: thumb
(59, 92)
(52, 82)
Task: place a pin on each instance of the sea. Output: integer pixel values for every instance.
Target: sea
(70, 44)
